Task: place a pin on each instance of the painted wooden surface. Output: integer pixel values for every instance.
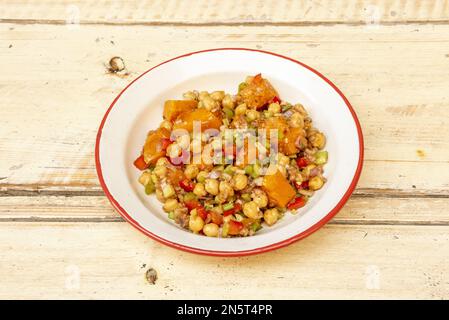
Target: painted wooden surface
(390, 58)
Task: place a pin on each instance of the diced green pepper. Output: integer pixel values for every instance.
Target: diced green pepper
(171, 215)
(286, 107)
(321, 157)
(225, 230)
(149, 187)
(228, 206)
(249, 170)
(189, 196)
(256, 226)
(242, 86)
(280, 135)
(246, 197)
(256, 171)
(229, 170)
(228, 113)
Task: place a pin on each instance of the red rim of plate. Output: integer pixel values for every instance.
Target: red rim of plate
(273, 246)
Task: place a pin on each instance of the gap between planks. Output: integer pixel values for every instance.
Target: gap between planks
(224, 24)
(9, 190)
(332, 222)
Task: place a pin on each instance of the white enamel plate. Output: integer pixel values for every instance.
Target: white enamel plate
(138, 109)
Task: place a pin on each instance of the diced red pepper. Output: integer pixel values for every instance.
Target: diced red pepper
(192, 204)
(237, 208)
(187, 185)
(302, 185)
(297, 203)
(216, 217)
(302, 162)
(165, 142)
(276, 99)
(257, 78)
(140, 163)
(234, 227)
(201, 212)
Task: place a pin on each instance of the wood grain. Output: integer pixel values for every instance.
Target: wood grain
(45, 260)
(230, 12)
(55, 89)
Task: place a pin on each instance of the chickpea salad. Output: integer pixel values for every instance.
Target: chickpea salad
(226, 165)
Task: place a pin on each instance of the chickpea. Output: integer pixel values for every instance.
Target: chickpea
(212, 186)
(209, 103)
(162, 161)
(283, 160)
(145, 177)
(217, 95)
(203, 94)
(196, 223)
(211, 230)
(300, 108)
(160, 195)
(306, 170)
(271, 216)
(190, 95)
(274, 107)
(191, 171)
(252, 115)
(160, 171)
(173, 150)
(226, 189)
(170, 205)
(216, 144)
(183, 141)
(318, 140)
(166, 124)
(228, 102)
(220, 198)
(316, 183)
(241, 109)
(296, 120)
(201, 176)
(240, 181)
(199, 190)
(251, 210)
(259, 198)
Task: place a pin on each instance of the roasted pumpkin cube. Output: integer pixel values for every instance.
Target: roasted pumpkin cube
(288, 144)
(257, 93)
(173, 108)
(208, 120)
(153, 148)
(278, 189)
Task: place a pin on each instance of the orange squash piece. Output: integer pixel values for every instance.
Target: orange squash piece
(278, 189)
(173, 108)
(153, 147)
(288, 144)
(257, 93)
(208, 120)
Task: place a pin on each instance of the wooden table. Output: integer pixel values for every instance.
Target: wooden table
(60, 238)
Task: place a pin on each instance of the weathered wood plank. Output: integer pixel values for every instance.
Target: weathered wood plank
(54, 90)
(226, 12)
(359, 210)
(109, 260)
